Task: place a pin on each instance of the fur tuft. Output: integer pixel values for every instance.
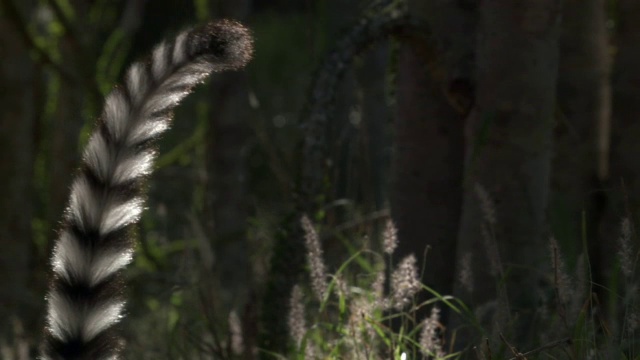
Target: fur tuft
(228, 41)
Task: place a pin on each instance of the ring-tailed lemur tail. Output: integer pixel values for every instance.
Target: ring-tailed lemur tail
(85, 298)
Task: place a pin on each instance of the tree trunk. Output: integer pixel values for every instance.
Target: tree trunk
(624, 198)
(227, 194)
(427, 172)
(227, 202)
(426, 190)
(17, 121)
(509, 139)
(375, 115)
(626, 128)
(63, 153)
(580, 163)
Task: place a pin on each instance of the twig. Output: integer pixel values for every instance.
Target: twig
(486, 342)
(479, 355)
(518, 355)
(369, 218)
(543, 348)
(556, 279)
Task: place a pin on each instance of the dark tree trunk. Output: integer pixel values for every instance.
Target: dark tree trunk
(509, 154)
(427, 172)
(226, 197)
(226, 173)
(580, 162)
(17, 122)
(375, 117)
(426, 190)
(624, 195)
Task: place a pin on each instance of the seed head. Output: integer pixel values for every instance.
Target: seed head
(390, 237)
(297, 323)
(430, 341)
(404, 283)
(314, 258)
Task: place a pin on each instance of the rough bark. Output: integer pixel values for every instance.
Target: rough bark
(580, 162)
(509, 139)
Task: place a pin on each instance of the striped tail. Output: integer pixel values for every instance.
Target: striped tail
(85, 298)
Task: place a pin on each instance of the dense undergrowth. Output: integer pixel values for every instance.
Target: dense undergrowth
(370, 308)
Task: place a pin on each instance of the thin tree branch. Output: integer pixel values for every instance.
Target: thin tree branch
(21, 25)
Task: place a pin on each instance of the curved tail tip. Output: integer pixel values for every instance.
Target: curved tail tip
(229, 42)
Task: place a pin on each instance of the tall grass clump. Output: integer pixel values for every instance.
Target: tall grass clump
(347, 314)
(570, 321)
(369, 307)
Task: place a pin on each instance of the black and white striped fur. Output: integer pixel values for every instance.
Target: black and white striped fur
(85, 299)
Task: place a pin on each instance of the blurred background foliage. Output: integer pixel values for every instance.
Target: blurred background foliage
(230, 175)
